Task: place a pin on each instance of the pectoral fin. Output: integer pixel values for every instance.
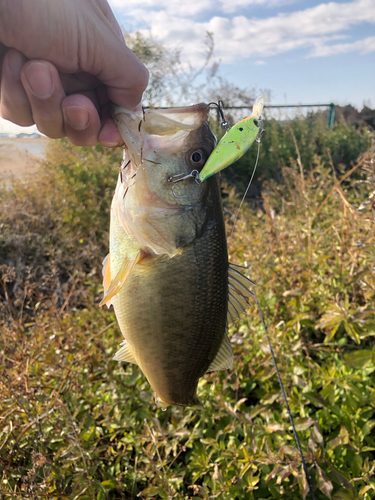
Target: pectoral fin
(121, 277)
(125, 354)
(224, 358)
(238, 292)
(106, 272)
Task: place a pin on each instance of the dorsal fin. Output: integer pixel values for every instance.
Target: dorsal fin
(239, 293)
(125, 354)
(224, 358)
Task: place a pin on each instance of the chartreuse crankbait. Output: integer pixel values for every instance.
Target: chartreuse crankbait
(234, 144)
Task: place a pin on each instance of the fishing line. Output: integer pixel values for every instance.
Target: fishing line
(269, 340)
(247, 189)
(284, 396)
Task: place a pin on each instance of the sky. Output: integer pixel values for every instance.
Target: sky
(302, 51)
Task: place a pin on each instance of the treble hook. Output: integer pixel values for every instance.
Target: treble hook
(220, 106)
(193, 175)
(261, 130)
(176, 195)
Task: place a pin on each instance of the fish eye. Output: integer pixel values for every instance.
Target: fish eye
(256, 123)
(196, 157)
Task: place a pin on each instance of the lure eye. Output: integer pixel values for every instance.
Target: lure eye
(256, 123)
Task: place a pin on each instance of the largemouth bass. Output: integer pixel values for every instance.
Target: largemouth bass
(167, 273)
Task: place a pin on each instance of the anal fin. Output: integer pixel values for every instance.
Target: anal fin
(125, 354)
(224, 358)
(121, 277)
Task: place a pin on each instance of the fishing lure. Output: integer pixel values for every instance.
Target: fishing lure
(234, 144)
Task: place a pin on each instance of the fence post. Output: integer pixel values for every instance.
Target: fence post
(331, 115)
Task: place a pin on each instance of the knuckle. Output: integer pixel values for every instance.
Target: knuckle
(49, 132)
(143, 78)
(15, 116)
(50, 128)
(82, 140)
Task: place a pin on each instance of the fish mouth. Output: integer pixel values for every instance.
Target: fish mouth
(195, 108)
(151, 129)
(157, 122)
(202, 106)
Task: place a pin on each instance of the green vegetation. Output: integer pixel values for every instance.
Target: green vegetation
(74, 424)
(303, 141)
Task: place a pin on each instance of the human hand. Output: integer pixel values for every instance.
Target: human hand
(67, 61)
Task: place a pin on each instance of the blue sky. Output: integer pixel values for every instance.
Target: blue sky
(302, 51)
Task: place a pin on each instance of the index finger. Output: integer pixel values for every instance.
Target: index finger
(125, 76)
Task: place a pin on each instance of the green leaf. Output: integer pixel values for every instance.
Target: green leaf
(315, 398)
(365, 489)
(342, 438)
(109, 483)
(340, 478)
(153, 491)
(359, 359)
(271, 397)
(302, 424)
(352, 332)
(328, 393)
(332, 332)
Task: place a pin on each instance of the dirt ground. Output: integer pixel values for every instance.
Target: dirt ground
(20, 157)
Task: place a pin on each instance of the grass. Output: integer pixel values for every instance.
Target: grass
(74, 424)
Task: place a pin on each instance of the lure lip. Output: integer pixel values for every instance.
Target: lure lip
(258, 106)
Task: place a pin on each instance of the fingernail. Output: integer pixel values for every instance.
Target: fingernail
(38, 76)
(15, 64)
(106, 135)
(77, 117)
(109, 144)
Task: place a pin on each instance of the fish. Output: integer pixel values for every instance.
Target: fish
(167, 273)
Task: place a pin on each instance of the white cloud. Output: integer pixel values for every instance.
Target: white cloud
(229, 7)
(362, 46)
(259, 63)
(177, 24)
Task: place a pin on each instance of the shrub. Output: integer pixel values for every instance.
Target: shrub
(75, 424)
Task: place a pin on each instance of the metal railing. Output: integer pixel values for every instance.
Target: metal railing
(330, 117)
